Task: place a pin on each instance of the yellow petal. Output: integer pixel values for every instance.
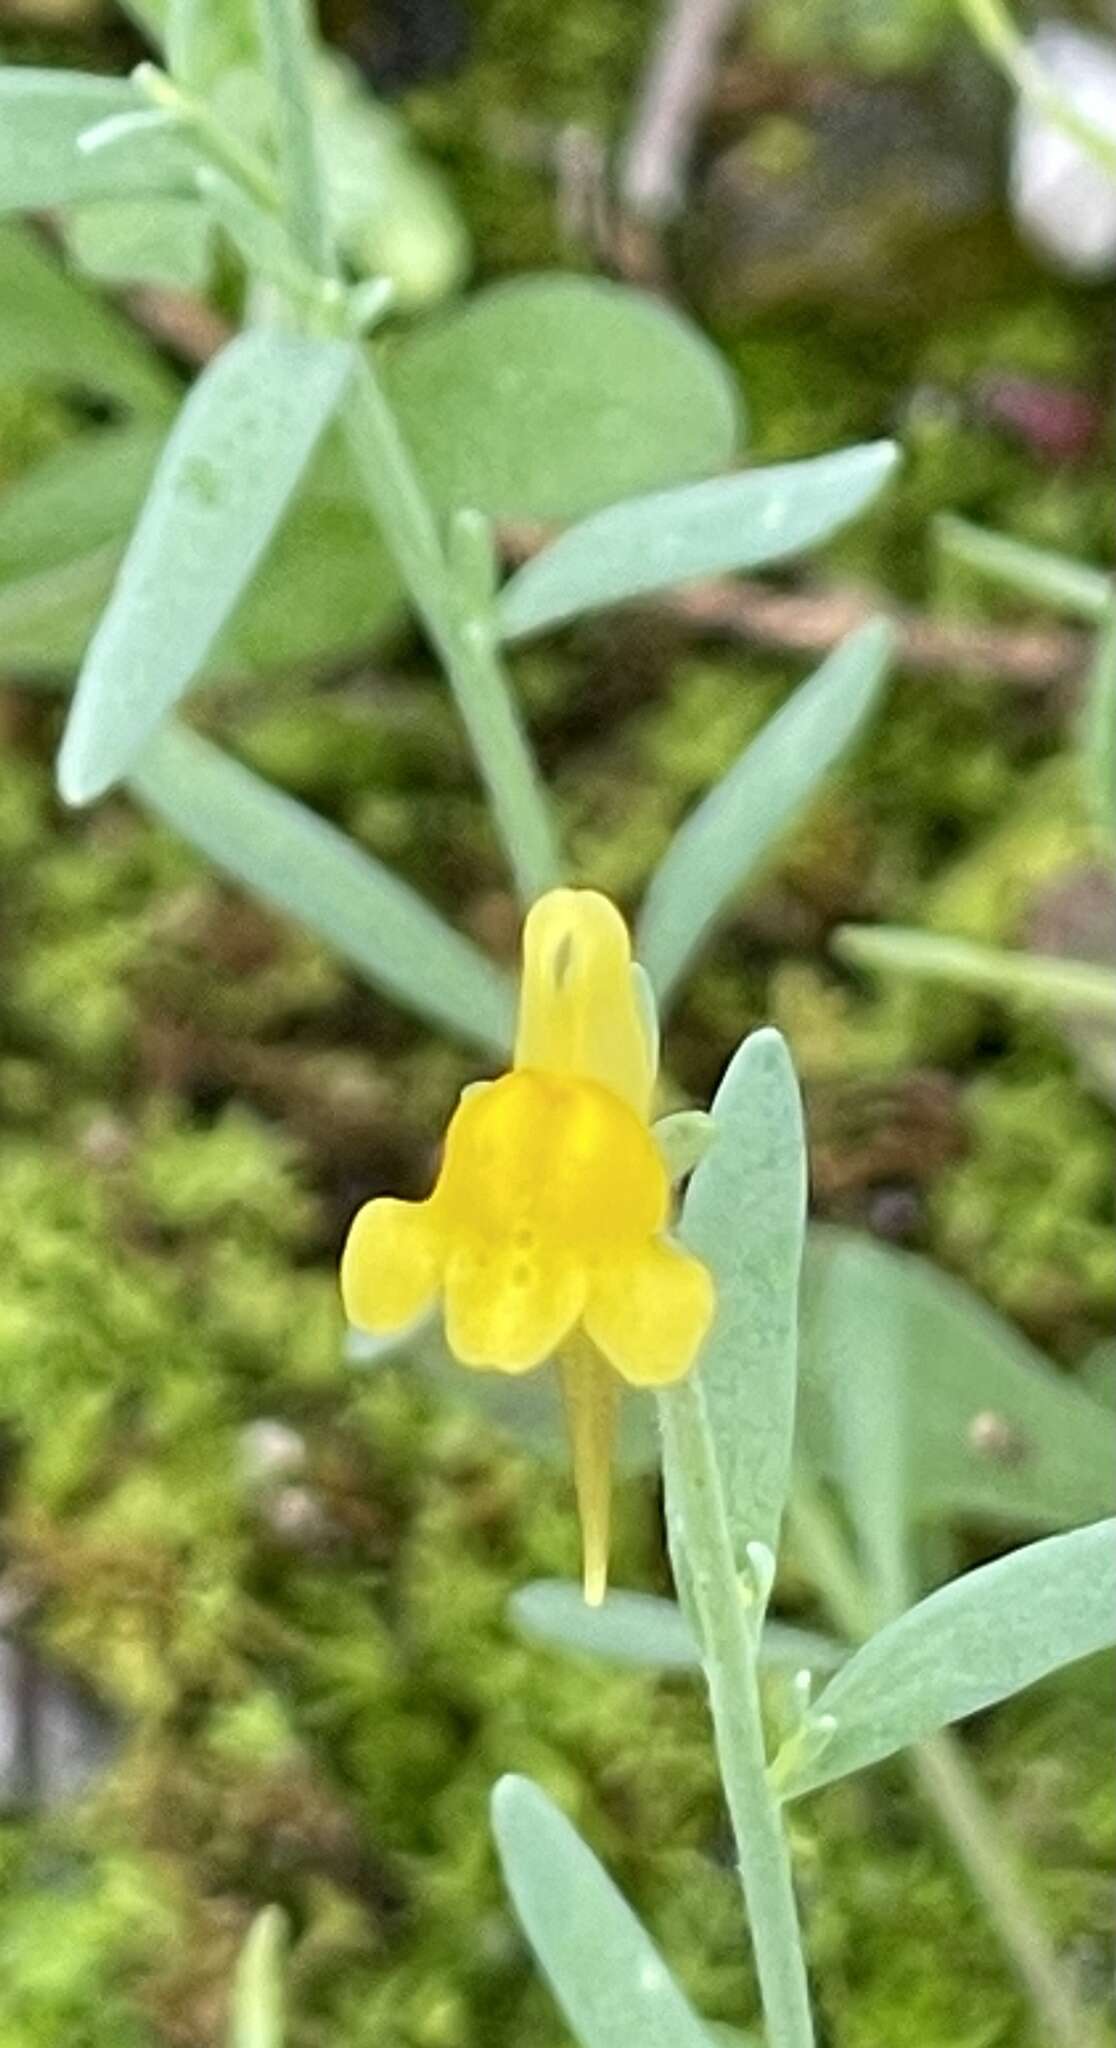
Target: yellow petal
(391, 1265)
(509, 1305)
(649, 1314)
(547, 1162)
(578, 1011)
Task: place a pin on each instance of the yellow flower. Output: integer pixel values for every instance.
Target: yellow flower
(545, 1233)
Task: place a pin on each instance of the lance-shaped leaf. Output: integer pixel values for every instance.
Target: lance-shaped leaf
(1047, 578)
(257, 2000)
(744, 1215)
(76, 499)
(228, 471)
(56, 334)
(43, 114)
(206, 38)
(866, 1391)
(705, 529)
(994, 1430)
(46, 617)
(310, 870)
(973, 1642)
(720, 846)
(166, 242)
(642, 1630)
(1031, 979)
(603, 1968)
(324, 590)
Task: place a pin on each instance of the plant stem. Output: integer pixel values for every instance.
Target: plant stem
(289, 54)
(942, 1770)
(998, 36)
(460, 621)
(241, 164)
(460, 628)
(700, 1533)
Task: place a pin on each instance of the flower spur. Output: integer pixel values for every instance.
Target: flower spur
(545, 1234)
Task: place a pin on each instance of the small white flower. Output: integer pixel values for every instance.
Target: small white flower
(1064, 198)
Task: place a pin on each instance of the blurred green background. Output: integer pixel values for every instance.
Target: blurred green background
(258, 1597)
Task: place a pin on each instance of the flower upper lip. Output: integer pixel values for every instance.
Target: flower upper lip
(545, 1230)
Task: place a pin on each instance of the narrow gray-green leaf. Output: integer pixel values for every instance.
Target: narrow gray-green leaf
(55, 334)
(289, 49)
(206, 38)
(1032, 979)
(970, 1644)
(42, 114)
(167, 242)
(46, 618)
(1051, 579)
(642, 1630)
(604, 1969)
(81, 496)
(547, 396)
(526, 1407)
(867, 1394)
(230, 467)
(744, 1215)
(257, 2000)
(704, 529)
(323, 592)
(720, 846)
(995, 1431)
(310, 870)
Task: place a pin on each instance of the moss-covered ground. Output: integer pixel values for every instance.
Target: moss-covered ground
(298, 1632)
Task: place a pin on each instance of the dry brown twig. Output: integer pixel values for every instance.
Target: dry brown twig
(811, 620)
(675, 91)
(756, 614)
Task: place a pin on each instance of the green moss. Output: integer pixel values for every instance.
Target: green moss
(310, 1658)
(1028, 1215)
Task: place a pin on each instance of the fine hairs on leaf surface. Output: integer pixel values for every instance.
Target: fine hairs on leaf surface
(603, 1968)
(308, 869)
(973, 1642)
(233, 459)
(721, 844)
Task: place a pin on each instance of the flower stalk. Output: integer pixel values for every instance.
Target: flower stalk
(703, 1562)
(941, 1769)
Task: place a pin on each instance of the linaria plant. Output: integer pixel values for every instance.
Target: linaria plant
(552, 1227)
